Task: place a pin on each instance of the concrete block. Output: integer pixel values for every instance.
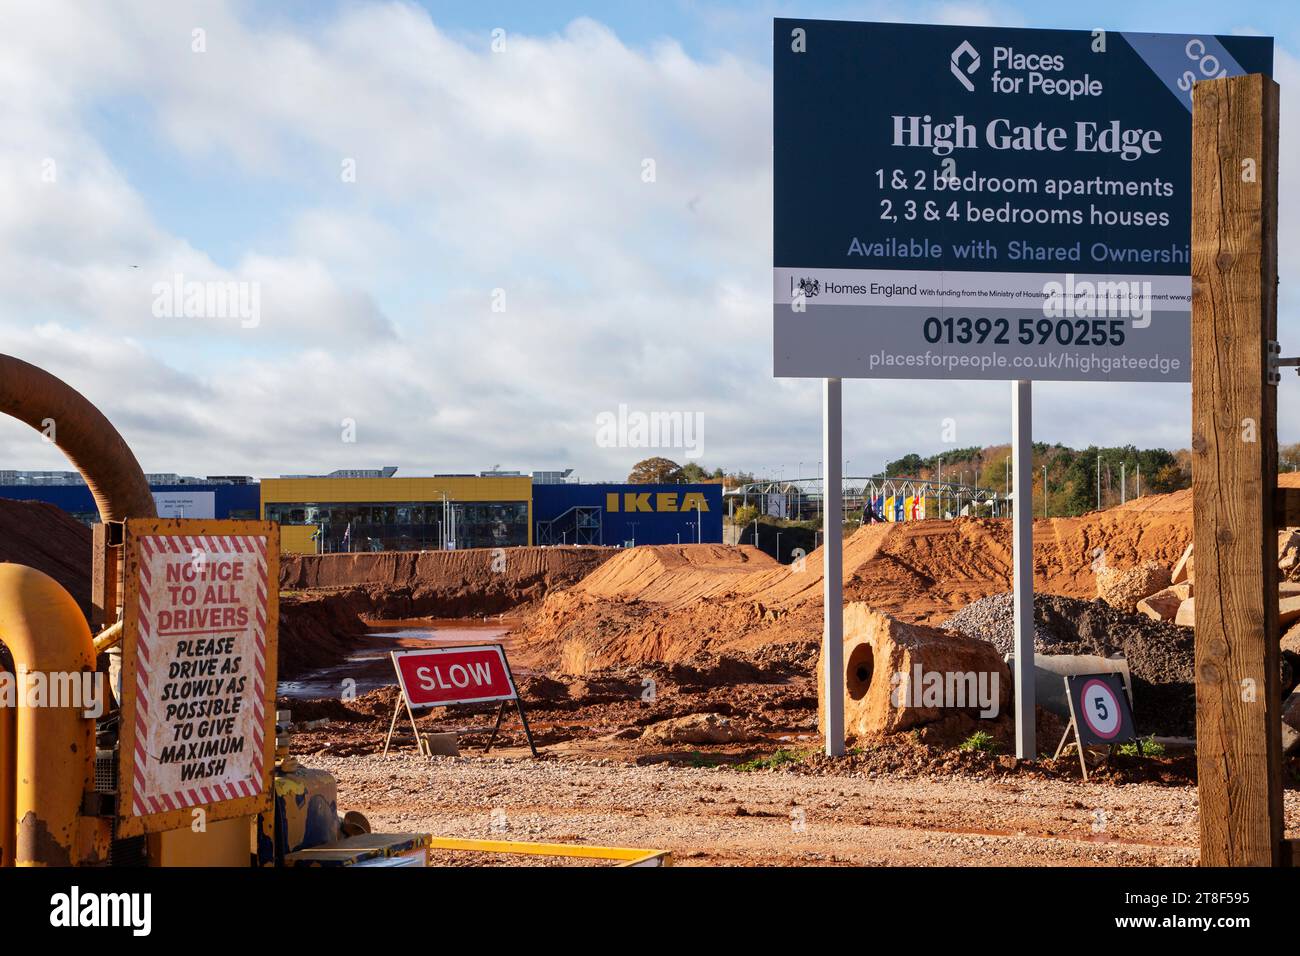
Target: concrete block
(898, 676)
(442, 744)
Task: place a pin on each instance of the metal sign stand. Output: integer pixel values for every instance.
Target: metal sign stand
(833, 565)
(501, 710)
(1022, 561)
(1126, 720)
(419, 741)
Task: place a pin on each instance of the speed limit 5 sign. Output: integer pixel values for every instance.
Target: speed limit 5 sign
(1101, 710)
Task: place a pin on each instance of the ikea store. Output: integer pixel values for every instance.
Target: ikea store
(377, 511)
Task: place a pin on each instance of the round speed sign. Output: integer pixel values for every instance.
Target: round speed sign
(1101, 709)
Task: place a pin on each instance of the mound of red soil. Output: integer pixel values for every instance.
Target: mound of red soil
(400, 585)
(317, 630)
(327, 600)
(47, 538)
(669, 603)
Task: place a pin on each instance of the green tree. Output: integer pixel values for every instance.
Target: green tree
(1288, 458)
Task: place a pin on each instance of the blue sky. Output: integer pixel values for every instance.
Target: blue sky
(476, 175)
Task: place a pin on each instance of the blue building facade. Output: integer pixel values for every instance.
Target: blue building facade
(624, 514)
(174, 501)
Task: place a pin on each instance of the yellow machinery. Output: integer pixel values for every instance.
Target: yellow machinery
(59, 764)
(48, 766)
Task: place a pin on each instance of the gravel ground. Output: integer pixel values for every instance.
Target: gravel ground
(724, 817)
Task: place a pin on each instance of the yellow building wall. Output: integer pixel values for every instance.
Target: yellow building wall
(296, 539)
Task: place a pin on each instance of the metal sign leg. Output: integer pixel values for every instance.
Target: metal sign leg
(1060, 748)
(519, 704)
(397, 709)
(833, 566)
(501, 710)
(1023, 566)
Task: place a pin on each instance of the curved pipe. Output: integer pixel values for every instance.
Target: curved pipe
(82, 433)
(46, 633)
(50, 763)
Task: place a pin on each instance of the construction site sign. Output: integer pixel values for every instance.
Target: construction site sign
(443, 676)
(986, 203)
(198, 671)
(1100, 708)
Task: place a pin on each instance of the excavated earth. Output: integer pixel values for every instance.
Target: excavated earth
(328, 601)
(671, 692)
(47, 538)
(673, 602)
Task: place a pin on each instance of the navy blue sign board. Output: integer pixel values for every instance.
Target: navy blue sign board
(986, 203)
(1100, 713)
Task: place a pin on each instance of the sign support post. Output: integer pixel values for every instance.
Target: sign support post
(833, 564)
(1234, 470)
(1022, 551)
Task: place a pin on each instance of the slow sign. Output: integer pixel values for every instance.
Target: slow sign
(438, 677)
(445, 676)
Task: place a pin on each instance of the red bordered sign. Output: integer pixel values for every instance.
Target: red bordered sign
(447, 676)
(442, 676)
(198, 671)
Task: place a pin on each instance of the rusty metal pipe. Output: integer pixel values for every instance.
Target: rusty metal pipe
(110, 636)
(47, 754)
(81, 432)
(44, 630)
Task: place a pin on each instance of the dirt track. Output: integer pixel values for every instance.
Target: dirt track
(722, 817)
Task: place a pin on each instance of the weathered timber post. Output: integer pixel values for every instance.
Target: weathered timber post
(1234, 469)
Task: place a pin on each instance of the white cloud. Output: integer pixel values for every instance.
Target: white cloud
(475, 171)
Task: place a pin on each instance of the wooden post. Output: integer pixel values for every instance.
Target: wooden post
(1234, 470)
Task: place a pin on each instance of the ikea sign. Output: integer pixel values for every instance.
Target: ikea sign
(655, 502)
(618, 513)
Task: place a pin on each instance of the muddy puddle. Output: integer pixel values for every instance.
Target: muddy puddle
(369, 665)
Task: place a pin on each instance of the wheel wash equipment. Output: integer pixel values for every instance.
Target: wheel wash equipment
(156, 741)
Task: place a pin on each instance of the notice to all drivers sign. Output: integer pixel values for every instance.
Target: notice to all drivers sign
(200, 652)
(986, 203)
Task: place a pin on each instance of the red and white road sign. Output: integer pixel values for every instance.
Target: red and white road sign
(440, 676)
(199, 605)
(1101, 709)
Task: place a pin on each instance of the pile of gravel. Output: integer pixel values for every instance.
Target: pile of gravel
(1160, 654)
